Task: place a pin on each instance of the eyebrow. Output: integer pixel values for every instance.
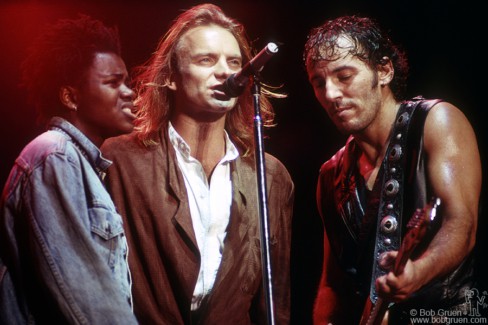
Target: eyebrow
(120, 75)
(208, 53)
(343, 67)
(334, 71)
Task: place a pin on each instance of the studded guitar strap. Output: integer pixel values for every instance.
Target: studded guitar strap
(395, 163)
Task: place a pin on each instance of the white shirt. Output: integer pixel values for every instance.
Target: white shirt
(210, 205)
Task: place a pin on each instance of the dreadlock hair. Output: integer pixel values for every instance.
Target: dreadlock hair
(61, 56)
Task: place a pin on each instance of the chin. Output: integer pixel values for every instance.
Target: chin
(223, 108)
(124, 130)
(228, 103)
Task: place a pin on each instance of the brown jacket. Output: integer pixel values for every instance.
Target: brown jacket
(149, 191)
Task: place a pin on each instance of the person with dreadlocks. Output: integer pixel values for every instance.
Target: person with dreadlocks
(63, 252)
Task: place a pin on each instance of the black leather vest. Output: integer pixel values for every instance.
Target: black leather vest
(346, 206)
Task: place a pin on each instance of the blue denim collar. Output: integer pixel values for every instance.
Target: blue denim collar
(89, 150)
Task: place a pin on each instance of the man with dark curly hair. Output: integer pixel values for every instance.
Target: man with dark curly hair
(400, 153)
(63, 252)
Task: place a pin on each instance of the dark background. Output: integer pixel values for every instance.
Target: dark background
(443, 40)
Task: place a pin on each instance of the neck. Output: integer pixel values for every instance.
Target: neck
(374, 141)
(206, 140)
(90, 133)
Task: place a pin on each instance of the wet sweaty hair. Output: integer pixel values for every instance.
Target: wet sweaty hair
(61, 56)
(370, 44)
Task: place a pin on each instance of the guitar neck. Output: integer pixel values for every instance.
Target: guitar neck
(373, 313)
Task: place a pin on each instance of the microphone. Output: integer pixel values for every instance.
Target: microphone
(235, 83)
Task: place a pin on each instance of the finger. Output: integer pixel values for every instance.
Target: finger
(382, 287)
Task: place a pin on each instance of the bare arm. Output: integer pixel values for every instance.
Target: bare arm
(327, 305)
(454, 175)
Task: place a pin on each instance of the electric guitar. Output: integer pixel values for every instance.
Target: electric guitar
(374, 313)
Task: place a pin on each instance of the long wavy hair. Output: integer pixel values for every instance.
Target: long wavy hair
(154, 102)
(370, 44)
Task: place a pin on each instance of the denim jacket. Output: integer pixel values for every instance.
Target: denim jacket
(63, 252)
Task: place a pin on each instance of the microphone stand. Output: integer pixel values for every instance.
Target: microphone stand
(262, 200)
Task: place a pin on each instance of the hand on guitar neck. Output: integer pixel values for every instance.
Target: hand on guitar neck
(375, 313)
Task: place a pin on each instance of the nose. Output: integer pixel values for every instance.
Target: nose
(222, 69)
(332, 92)
(127, 92)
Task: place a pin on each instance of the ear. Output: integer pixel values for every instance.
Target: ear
(385, 71)
(68, 97)
(171, 84)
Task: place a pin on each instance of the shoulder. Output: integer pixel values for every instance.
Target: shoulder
(445, 121)
(120, 145)
(49, 154)
(276, 168)
(445, 113)
(329, 171)
(273, 163)
(449, 138)
(129, 156)
(276, 172)
(43, 146)
(35, 156)
(279, 180)
(335, 163)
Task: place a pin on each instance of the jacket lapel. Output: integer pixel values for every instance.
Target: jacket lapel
(241, 215)
(181, 217)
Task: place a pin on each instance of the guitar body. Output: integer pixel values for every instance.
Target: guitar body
(376, 313)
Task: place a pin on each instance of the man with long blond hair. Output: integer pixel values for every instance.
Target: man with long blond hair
(185, 183)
